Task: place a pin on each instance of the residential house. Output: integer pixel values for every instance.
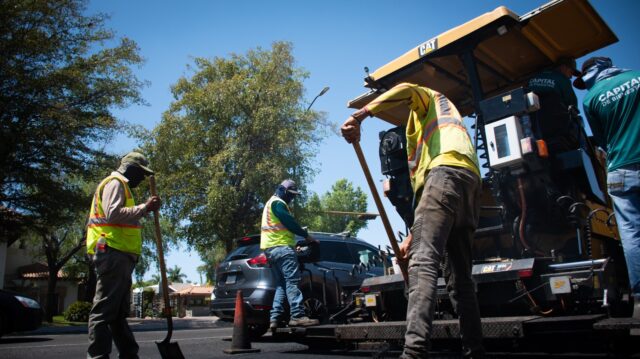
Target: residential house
(193, 301)
(186, 299)
(23, 275)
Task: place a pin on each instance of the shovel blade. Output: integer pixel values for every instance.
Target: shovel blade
(169, 350)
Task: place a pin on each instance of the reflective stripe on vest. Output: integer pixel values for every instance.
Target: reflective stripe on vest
(428, 131)
(126, 237)
(437, 132)
(272, 232)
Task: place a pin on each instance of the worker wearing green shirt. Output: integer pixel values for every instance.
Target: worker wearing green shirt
(557, 81)
(612, 109)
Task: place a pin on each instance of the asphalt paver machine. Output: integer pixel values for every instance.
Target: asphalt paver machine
(547, 256)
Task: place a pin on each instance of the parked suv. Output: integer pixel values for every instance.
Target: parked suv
(328, 278)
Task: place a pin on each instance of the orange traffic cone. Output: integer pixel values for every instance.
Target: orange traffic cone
(240, 340)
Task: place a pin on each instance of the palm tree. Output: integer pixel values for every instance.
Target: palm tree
(174, 275)
(208, 273)
(155, 278)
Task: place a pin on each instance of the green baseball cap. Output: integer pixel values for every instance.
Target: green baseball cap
(137, 159)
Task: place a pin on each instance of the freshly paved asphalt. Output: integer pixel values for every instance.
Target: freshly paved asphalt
(203, 337)
(139, 325)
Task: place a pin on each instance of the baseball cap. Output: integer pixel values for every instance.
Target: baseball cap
(594, 60)
(586, 66)
(137, 159)
(290, 186)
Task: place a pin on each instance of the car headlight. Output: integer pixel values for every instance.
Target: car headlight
(28, 302)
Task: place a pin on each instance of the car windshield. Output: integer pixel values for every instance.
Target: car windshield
(241, 252)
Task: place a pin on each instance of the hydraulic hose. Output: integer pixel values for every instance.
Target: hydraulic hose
(523, 214)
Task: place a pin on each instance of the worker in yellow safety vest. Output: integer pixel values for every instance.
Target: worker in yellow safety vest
(444, 173)
(114, 240)
(277, 239)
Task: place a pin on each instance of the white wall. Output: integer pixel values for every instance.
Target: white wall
(72, 292)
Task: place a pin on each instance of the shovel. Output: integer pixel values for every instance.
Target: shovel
(383, 214)
(168, 350)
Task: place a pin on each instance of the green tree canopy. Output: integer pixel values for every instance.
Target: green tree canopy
(343, 197)
(237, 127)
(175, 275)
(58, 85)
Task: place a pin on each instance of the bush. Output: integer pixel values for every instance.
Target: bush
(149, 313)
(78, 312)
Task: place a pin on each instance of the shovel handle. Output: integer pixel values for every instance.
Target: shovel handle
(383, 214)
(163, 268)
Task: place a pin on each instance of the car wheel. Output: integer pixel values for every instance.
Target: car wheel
(257, 330)
(316, 309)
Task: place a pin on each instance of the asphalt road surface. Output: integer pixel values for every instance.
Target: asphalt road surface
(210, 343)
(194, 343)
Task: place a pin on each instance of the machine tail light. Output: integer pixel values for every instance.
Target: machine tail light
(258, 261)
(525, 273)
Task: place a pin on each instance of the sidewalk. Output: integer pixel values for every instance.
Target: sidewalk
(140, 325)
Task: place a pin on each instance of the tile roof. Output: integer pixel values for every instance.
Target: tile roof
(38, 271)
(195, 290)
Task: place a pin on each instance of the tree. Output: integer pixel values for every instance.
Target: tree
(212, 259)
(80, 267)
(204, 269)
(58, 85)
(59, 244)
(155, 278)
(149, 246)
(237, 127)
(175, 275)
(341, 198)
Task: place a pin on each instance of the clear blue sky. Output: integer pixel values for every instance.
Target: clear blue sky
(333, 40)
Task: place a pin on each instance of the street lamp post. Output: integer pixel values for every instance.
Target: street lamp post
(324, 90)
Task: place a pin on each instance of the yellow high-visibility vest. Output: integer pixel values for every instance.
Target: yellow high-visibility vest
(435, 132)
(272, 232)
(121, 236)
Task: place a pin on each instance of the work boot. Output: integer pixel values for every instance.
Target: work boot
(636, 308)
(303, 322)
(273, 325)
(635, 316)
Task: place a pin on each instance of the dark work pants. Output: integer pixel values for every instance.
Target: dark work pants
(445, 221)
(108, 318)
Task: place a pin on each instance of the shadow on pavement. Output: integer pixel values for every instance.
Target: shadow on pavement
(15, 340)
